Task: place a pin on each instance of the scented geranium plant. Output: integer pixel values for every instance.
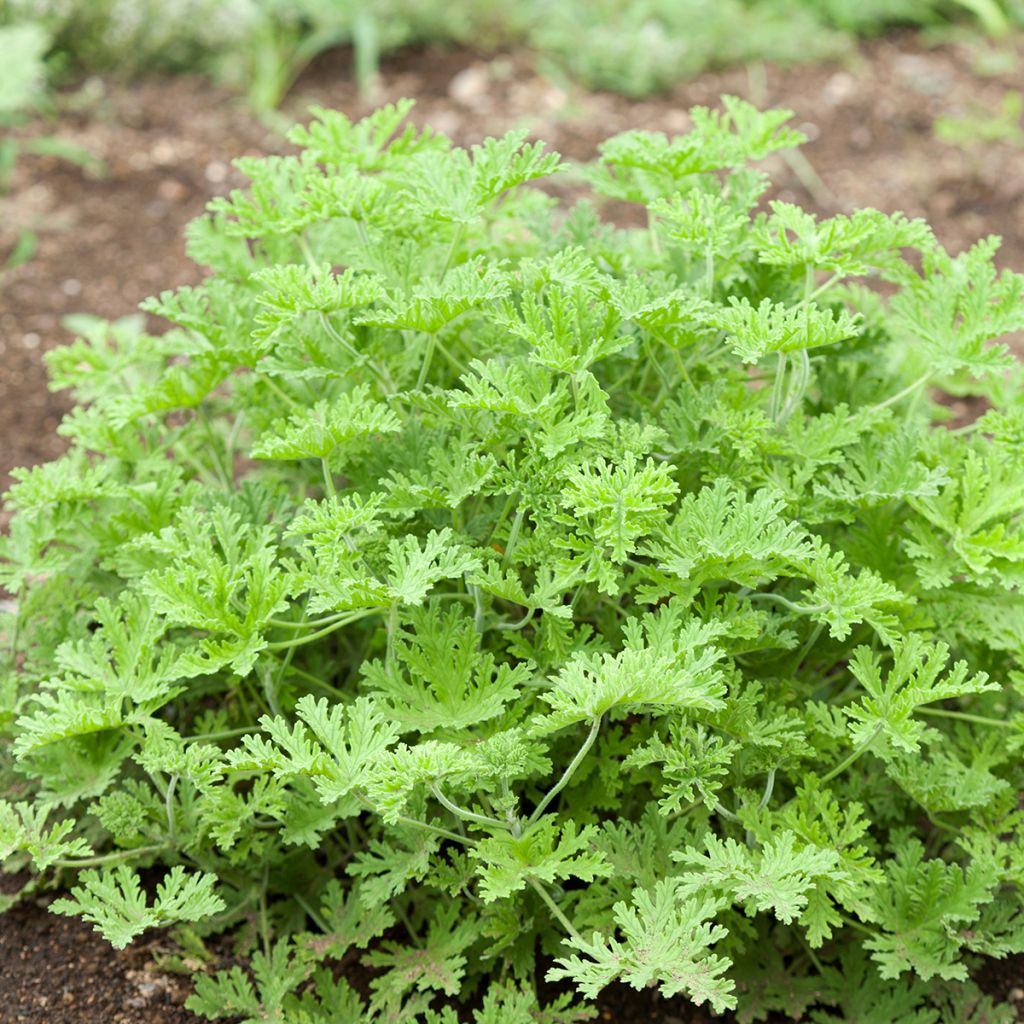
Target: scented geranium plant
(522, 604)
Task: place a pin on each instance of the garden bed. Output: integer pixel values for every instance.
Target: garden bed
(107, 243)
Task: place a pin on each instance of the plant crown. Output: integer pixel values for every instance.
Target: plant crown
(509, 595)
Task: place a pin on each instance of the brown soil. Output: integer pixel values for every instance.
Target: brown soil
(55, 970)
(107, 242)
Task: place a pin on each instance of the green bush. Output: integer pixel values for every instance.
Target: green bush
(467, 581)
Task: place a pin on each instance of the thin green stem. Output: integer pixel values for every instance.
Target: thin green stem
(108, 858)
(392, 633)
(556, 911)
(307, 252)
(452, 249)
(726, 813)
(778, 387)
(428, 358)
(513, 535)
(855, 924)
(406, 920)
(569, 772)
(226, 734)
(821, 289)
(964, 716)
(264, 921)
(359, 357)
(908, 390)
(800, 609)
(401, 819)
(436, 829)
(500, 521)
(456, 362)
(270, 687)
(464, 813)
(172, 823)
(283, 645)
(327, 620)
(311, 913)
(16, 631)
(856, 753)
(280, 392)
(798, 387)
(328, 480)
(514, 626)
(313, 680)
(215, 446)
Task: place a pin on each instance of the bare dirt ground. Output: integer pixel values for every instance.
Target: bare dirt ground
(107, 242)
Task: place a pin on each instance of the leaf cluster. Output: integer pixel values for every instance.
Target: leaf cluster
(462, 584)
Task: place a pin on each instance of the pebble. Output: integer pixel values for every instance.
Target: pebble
(216, 172)
(469, 87)
(163, 152)
(860, 137)
(839, 88)
(171, 190)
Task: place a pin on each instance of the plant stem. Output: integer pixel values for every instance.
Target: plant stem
(16, 632)
(800, 609)
(456, 242)
(554, 908)
(225, 735)
(108, 858)
(462, 812)
(726, 813)
(964, 716)
(569, 772)
(428, 357)
(774, 407)
(328, 480)
(401, 819)
(172, 824)
(327, 620)
(280, 392)
(863, 929)
(908, 390)
(311, 913)
(513, 535)
(283, 645)
(843, 765)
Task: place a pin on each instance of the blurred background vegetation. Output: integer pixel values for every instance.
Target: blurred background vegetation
(634, 47)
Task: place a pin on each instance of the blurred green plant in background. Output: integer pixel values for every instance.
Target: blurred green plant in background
(979, 127)
(630, 46)
(23, 76)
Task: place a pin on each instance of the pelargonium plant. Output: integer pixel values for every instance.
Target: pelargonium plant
(518, 603)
